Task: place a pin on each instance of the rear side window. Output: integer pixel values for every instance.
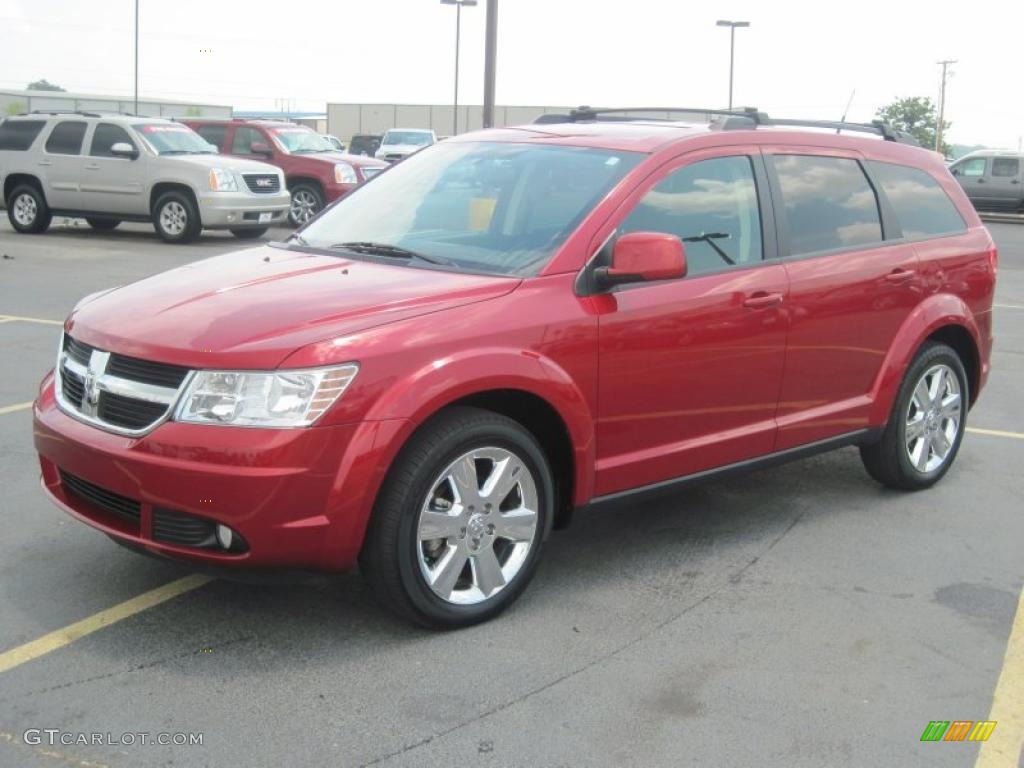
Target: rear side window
(107, 135)
(1005, 167)
(215, 134)
(19, 134)
(827, 203)
(712, 207)
(66, 138)
(921, 204)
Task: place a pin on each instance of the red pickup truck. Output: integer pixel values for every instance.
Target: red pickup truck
(315, 172)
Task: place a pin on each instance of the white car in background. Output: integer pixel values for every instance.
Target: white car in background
(399, 143)
(334, 141)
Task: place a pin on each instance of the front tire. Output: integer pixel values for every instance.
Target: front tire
(459, 524)
(249, 234)
(926, 425)
(175, 218)
(27, 210)
(307, 202)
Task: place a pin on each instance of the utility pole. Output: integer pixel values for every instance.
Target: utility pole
(732, 47)
(946, 74)
(136, 109)
(490, 61)
(458, 32)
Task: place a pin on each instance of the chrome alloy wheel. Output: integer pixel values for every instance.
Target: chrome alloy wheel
(173, 218)
(933, 418)
(477, 525)
(25, 210)
(304, 205)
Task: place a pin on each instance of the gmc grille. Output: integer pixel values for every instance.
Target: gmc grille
(262, 183)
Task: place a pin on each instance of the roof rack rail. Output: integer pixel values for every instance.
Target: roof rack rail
(741, 118)
(61, 112)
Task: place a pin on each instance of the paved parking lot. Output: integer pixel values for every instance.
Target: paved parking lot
(801, 616)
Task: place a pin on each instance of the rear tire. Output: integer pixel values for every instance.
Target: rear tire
(175, 218)
(103, 225)
(927, 423)
(27, 210)
(307, 202)
(249, 234)
(481, 483)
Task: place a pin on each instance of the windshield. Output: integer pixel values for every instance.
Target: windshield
(483, 207)
(300, 140)
(174, 139)
(416, 138)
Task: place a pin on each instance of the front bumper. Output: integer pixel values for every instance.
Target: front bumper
(220, 210)
(300, 498)
(334, 192)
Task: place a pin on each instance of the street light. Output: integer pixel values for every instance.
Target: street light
(732, 46)
(458, 30)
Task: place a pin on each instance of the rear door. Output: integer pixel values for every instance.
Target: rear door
(1004, 181)
(62, 161)
(690, 369)
(852, 284)
(113, 184)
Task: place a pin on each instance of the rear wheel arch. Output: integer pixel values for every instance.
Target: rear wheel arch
(15, 180)
(963, 343)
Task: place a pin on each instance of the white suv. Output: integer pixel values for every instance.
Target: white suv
(399, 143)
(113, 168)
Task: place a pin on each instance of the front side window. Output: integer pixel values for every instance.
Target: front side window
(243, 140)
(1005, 167)
(215, 134)
(66, 138)
(921, 204)
(971, 168)
(476, 206)
(300, 141)
(106, 136)
(827, 203)
(173, 139)
(712, 207)
(18, 135)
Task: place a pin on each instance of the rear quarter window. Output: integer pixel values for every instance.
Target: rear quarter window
(921, 204)
(18, 135)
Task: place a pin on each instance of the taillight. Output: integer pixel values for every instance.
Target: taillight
(993, 258)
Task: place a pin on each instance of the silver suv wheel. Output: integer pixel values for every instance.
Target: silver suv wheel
(477, 525)
(933, 418)
(173, 218)
(24, 209)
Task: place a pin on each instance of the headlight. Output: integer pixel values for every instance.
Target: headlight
(222, 180)
(345, 174)
(292, 398)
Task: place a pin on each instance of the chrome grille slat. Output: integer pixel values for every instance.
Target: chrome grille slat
(262, 183)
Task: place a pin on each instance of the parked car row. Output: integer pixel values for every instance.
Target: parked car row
(239, 175)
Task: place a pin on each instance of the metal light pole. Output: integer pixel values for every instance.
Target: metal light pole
(732, 47)
(490, 62)
(136, 109)
(458, 31)
(945, 63)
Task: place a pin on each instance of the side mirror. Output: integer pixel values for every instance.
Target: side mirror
(955, 171)
(124, 149)
(259, 148)
(644, 257)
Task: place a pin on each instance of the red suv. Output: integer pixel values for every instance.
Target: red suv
(315, 172)
(514, 324)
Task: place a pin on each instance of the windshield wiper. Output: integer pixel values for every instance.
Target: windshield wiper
(709, 238)
(391, 251)
(299, 239)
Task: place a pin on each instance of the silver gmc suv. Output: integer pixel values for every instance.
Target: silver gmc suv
(113, 168)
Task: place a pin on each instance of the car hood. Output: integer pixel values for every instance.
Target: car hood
(395, 149)
(252, 308)
(224, 161)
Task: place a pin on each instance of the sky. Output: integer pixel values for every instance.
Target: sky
(797, 59)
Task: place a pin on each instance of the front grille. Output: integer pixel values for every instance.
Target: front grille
(128, 412)
(158, 374)
(178, 528)
(124, 394)
(262, 183)
(117, 505)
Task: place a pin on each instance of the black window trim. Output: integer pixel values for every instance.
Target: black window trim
(891, 233)
(770, 244)
(56, 124)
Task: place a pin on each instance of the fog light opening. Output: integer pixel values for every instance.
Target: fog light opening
(225, 536)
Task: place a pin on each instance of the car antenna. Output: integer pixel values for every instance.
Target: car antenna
(847, 110)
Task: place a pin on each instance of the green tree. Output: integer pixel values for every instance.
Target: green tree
(15, 108)
(43, 85)
(915, 115)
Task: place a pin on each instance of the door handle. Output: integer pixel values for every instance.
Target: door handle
(92, 167)
(762, 300)
(44, 162)
(981, 181)
(899, 276)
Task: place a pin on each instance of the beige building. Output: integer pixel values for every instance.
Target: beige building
(345, 120)
(15, 102)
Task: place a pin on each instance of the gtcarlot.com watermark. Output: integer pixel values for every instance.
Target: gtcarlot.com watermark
(55, 737)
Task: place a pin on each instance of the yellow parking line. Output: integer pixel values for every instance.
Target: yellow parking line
(61, 637)
(996, 433)
(19, 318)
(15, 407)
(1005, 746)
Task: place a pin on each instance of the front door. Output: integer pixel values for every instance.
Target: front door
(690, 369)
(112, 184)
(971, 173)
